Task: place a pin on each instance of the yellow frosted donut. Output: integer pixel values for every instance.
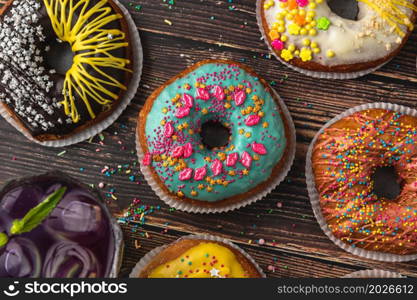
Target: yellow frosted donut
(192, 257)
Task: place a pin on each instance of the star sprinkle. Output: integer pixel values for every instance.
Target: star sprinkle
(215, 273)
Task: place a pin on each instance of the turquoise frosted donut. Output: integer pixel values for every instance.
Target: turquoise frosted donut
(170, 125)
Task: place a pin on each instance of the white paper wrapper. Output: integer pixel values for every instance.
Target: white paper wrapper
(322, 75)
(117, 231)
(315, 198)
(141, 265)
(373, 274)
(137, 55)
(184, 206)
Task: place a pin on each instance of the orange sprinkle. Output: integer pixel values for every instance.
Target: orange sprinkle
(300, 20)
(292, 4)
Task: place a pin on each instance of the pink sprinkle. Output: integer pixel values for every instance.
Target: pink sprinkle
(252, 120)
(178, 152)
(302, 3)
(239, 97)
(259, 148)
(203, 94)
(261, 241)
(232, 159)
(182, 112)
(271, 268)
(188, 150)
(168, 130)
(246, 159)
(277, 44)
(279, 204)
(186, 174)
(200, 173)
(188, 100)
(219, 93)
(147, 159)
(216, 167)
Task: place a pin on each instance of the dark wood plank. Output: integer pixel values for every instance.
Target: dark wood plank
(295, 244)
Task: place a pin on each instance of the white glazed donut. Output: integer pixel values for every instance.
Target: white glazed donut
(309, 35)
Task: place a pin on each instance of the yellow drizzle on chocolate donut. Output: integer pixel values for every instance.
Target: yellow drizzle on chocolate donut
(390, 11)
(84, 27)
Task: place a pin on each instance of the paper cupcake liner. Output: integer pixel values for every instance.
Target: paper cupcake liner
(187, 207)
(143, 263)
(373, 274)
(137, 57)
(315, 197)
(116, 229)
(320, 75)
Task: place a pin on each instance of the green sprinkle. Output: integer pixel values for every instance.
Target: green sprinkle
(61, 153)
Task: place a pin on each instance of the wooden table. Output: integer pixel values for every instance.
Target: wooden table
(179, 35)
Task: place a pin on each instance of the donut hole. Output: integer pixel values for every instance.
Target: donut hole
(60, 56)
(346, 9)
(386, 182)
(214, 134)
